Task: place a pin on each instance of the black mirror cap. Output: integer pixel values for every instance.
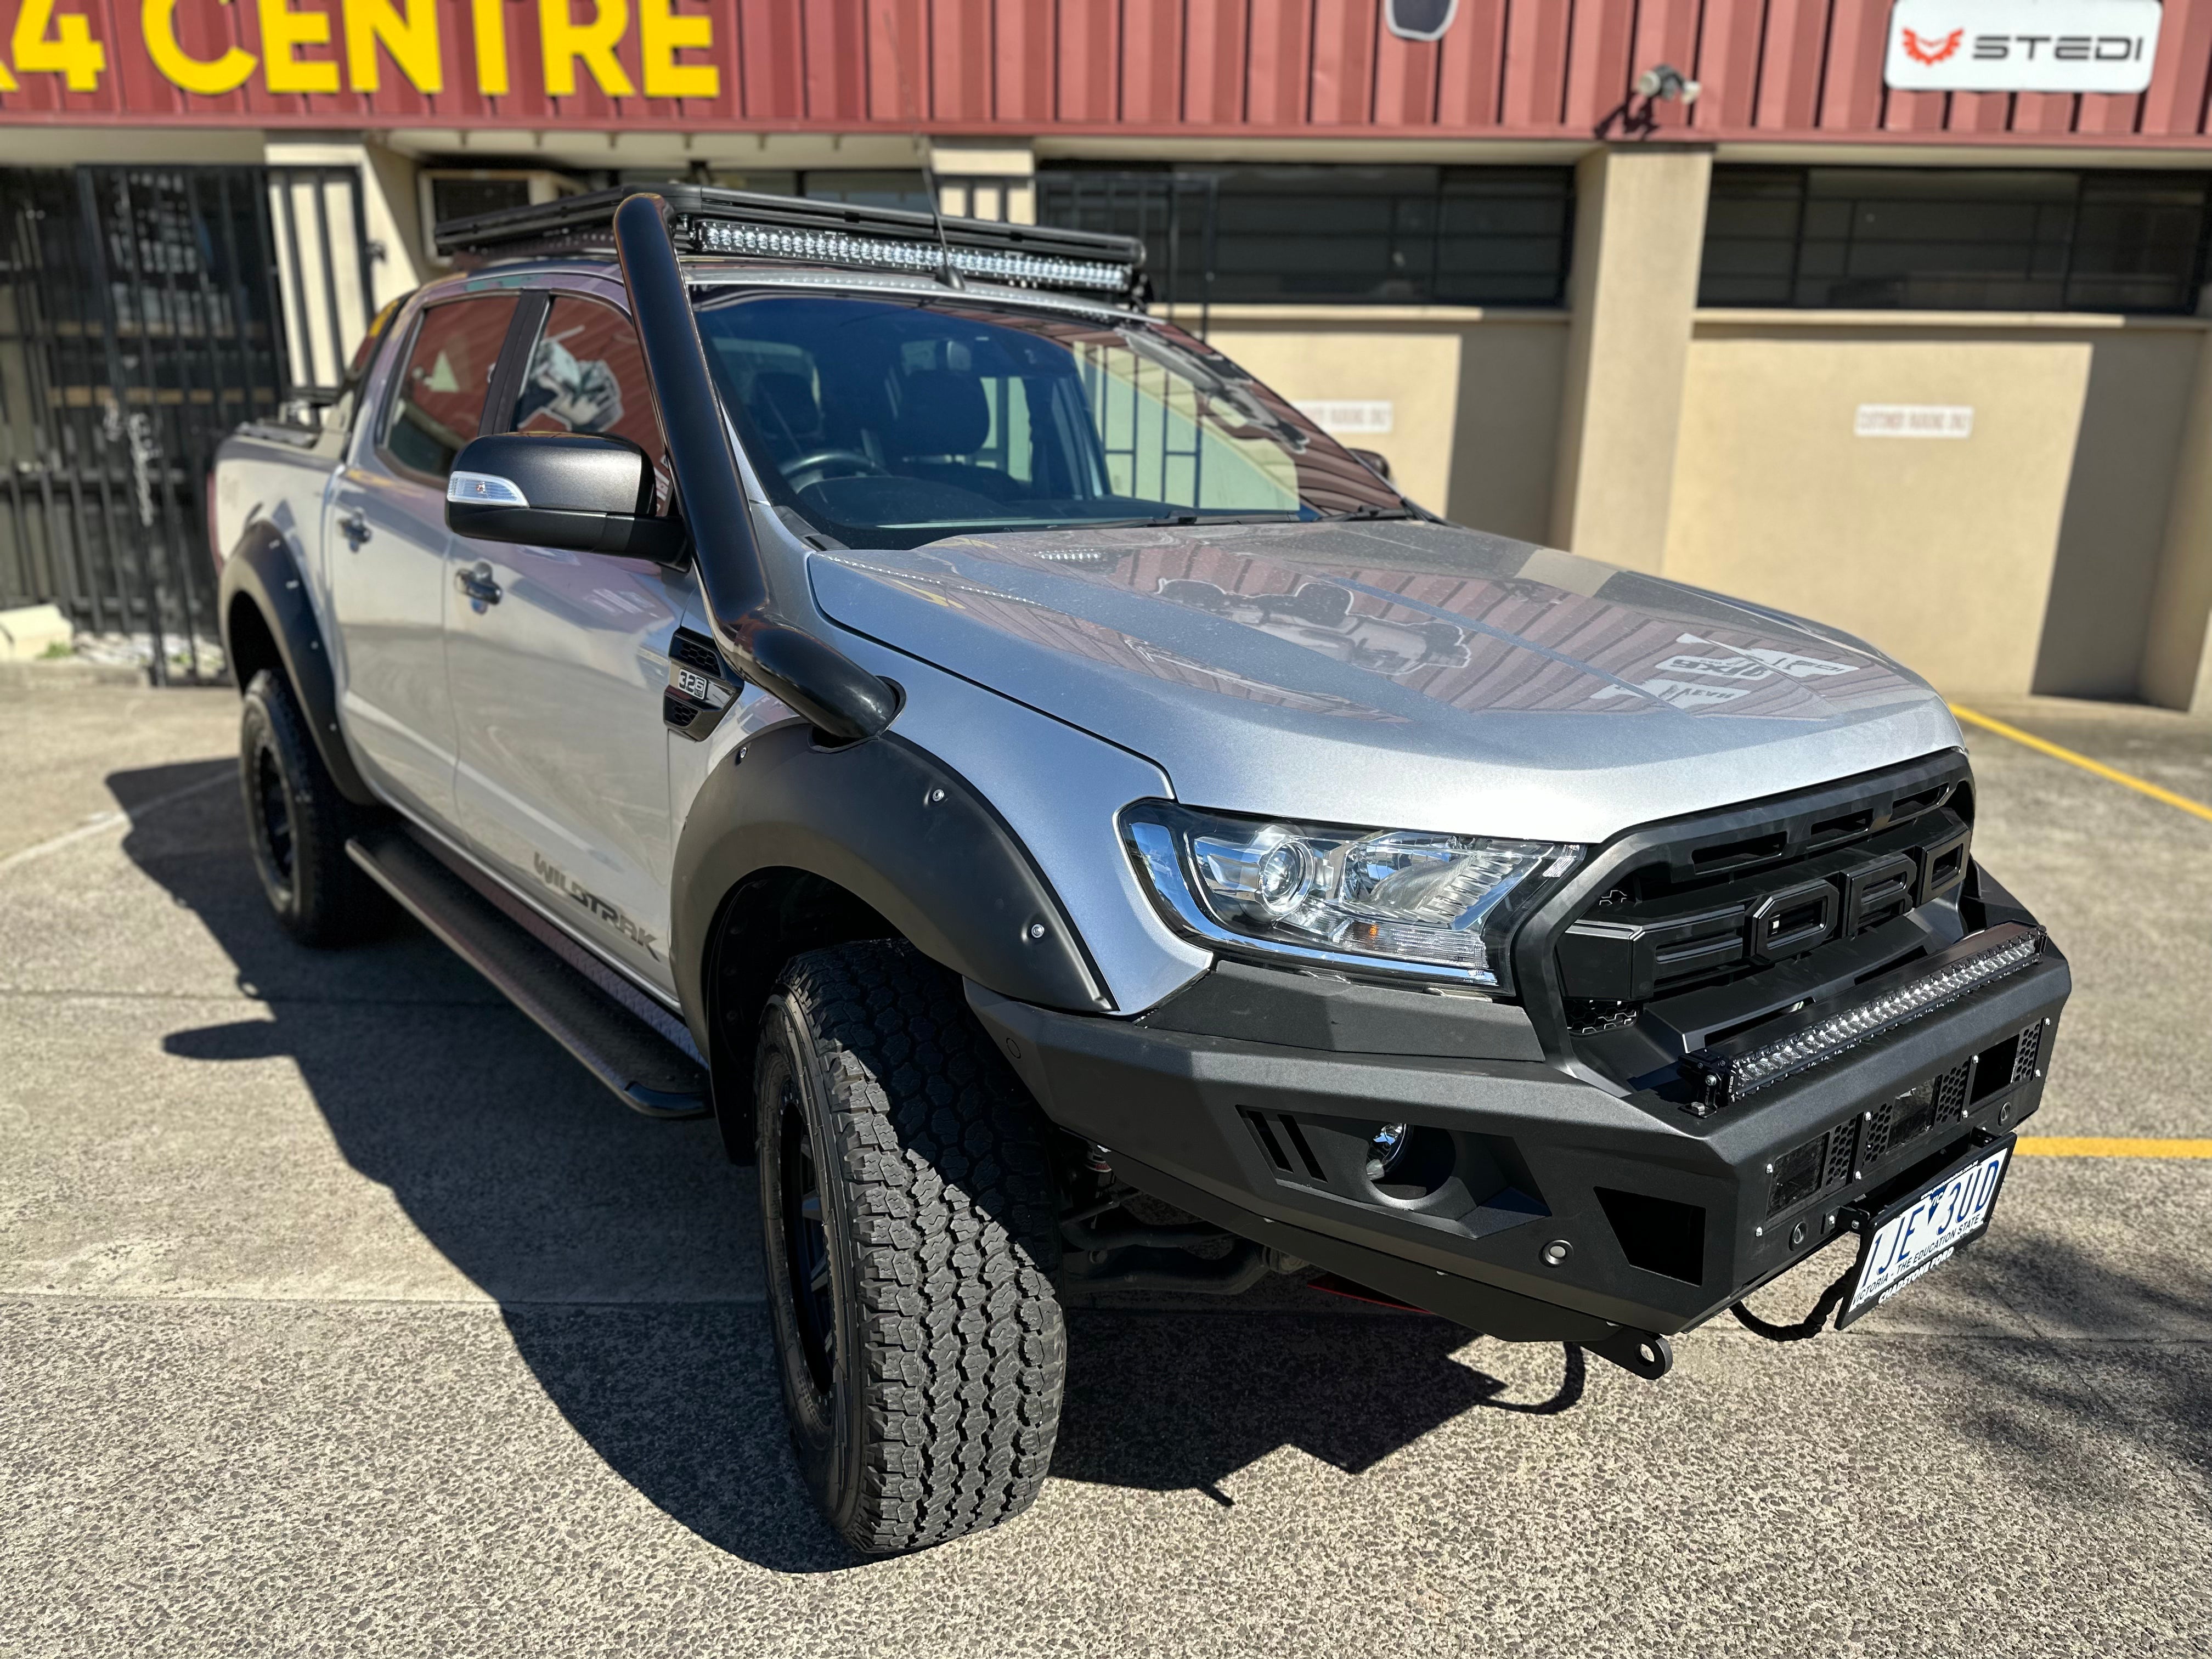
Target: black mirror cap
(564, 471)
(583, 493)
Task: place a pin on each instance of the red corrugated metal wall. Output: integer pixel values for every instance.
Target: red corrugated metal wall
(1521, 69)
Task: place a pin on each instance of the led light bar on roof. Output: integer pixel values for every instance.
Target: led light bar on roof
(1728, 1072)
(707, 219)
(833, 247)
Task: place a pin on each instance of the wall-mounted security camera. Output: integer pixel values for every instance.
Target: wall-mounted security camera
(1665, 83)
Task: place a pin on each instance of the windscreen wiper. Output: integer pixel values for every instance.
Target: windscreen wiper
(1369, 510)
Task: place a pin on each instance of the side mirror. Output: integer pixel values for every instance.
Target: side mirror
(579, 492)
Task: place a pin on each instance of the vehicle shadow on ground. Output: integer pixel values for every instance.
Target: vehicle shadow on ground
(622, 1251)
(1179, 1401)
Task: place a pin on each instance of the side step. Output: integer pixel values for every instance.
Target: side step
(651, 1075)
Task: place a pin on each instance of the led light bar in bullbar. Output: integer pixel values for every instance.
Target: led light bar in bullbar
(1728, 1072)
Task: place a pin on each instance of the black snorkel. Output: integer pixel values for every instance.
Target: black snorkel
(833, 693)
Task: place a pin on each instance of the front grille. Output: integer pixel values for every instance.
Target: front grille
(1651, 934)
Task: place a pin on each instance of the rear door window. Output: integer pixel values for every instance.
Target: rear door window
(438, 400)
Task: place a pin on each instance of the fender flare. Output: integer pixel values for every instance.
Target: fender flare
(261, 568)
(900, 830)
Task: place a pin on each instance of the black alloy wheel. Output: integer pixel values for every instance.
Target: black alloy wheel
(272, 823)
(806, 1245)
(909, 1231)
(297, 822)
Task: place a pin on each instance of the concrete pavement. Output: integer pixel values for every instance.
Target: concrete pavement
(339, 1312)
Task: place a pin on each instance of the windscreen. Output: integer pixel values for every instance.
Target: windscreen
(893, 422)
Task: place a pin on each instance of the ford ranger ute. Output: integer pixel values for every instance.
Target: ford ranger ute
(1076, 827)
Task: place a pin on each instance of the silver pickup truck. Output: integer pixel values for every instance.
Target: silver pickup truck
(1077, 827)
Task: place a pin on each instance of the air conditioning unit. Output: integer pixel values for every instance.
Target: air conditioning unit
(458, 193)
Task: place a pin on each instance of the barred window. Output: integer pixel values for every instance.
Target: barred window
(1955, 239)
(1285, 234)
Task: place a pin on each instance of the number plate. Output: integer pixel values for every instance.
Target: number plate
(1921, 1233)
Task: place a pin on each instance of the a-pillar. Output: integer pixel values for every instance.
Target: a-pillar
(1639, 233)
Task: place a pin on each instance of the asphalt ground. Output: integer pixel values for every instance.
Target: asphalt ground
(340, 1312)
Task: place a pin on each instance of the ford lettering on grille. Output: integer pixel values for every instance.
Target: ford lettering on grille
(1628, 950)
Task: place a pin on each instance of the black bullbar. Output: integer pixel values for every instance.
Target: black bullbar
(1422, 1146)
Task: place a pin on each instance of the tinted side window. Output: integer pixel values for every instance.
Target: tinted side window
(438, 400)
(586, 374)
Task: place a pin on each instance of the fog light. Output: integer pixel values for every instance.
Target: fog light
(1386, 1150)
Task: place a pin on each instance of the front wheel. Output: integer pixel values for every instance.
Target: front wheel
(909, 1247)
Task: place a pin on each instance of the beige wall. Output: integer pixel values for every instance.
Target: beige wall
(2119, 497)
(1512, 382)
(2178, 654)
(1639, 235)
(2022, 557)
(1474, 394)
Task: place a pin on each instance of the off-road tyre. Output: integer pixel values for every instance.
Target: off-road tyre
(918, 1338)
(297, 823)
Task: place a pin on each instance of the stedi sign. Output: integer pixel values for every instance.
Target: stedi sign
(2022, 45)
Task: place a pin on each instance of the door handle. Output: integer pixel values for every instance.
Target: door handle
(477, 586)
(354, 528)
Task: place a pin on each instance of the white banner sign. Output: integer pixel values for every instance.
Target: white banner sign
(1350, 416)
(2022, 45)
(1914, 421)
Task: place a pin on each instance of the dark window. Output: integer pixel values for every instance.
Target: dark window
(465, 197)
(1408, 235)
(1955, 240)
(437, 403)
(884, 187)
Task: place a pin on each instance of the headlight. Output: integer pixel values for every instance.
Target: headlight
(1398, 901)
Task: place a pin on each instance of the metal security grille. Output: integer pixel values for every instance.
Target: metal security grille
(1953, 238)
(1174, 215)
(145, 312)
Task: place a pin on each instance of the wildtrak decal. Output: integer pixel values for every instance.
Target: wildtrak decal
(601, 909)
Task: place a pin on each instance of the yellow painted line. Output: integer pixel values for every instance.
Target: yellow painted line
(2108, 1146)
(2125, 779)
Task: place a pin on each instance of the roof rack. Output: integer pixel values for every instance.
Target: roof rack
(710, 220)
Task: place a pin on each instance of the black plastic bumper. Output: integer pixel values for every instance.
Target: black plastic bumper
(1532, 1205)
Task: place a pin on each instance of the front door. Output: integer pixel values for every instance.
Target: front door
(384, 543)
(558, 662)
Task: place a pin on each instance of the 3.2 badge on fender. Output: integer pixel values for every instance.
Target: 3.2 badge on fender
(701, 687)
